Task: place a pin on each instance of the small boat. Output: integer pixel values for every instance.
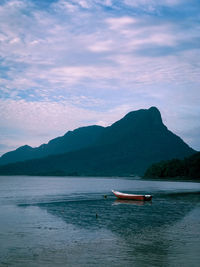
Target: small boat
(131, 196)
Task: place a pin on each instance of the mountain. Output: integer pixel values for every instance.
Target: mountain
(127, 147)
(72, 140)
(186, 168)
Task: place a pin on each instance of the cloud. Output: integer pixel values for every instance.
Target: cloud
(150, 4)
(93, 57)
(48, 56)
(120, 22)
(82, 5)
(101, 46)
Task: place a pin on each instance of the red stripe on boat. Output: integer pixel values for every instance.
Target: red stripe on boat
(131, 196)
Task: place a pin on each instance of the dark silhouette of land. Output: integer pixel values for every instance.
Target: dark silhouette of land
(127, 147)
(186, 168)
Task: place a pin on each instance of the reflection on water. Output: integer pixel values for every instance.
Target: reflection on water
(120, 218)
(131, 202)
(68, 222)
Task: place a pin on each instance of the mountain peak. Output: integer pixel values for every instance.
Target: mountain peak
(25, 147)
(155, 115)
(142, 118)
(152, 110)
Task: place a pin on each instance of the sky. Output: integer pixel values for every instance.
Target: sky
(71, 63)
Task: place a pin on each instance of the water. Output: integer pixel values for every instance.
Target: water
(54, 221)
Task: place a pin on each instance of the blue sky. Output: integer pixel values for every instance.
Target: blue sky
(65, 64)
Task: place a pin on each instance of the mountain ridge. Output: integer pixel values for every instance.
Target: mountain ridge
(126, 147)
(66, 143)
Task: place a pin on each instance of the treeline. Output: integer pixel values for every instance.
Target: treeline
(188, 168)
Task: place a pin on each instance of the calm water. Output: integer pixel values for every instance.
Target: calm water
(51, 221)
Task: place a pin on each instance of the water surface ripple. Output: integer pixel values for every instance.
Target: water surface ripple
(63, 221)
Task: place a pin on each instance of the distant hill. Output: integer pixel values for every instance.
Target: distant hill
(72, 140)
(188, 168)
(127, 147)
